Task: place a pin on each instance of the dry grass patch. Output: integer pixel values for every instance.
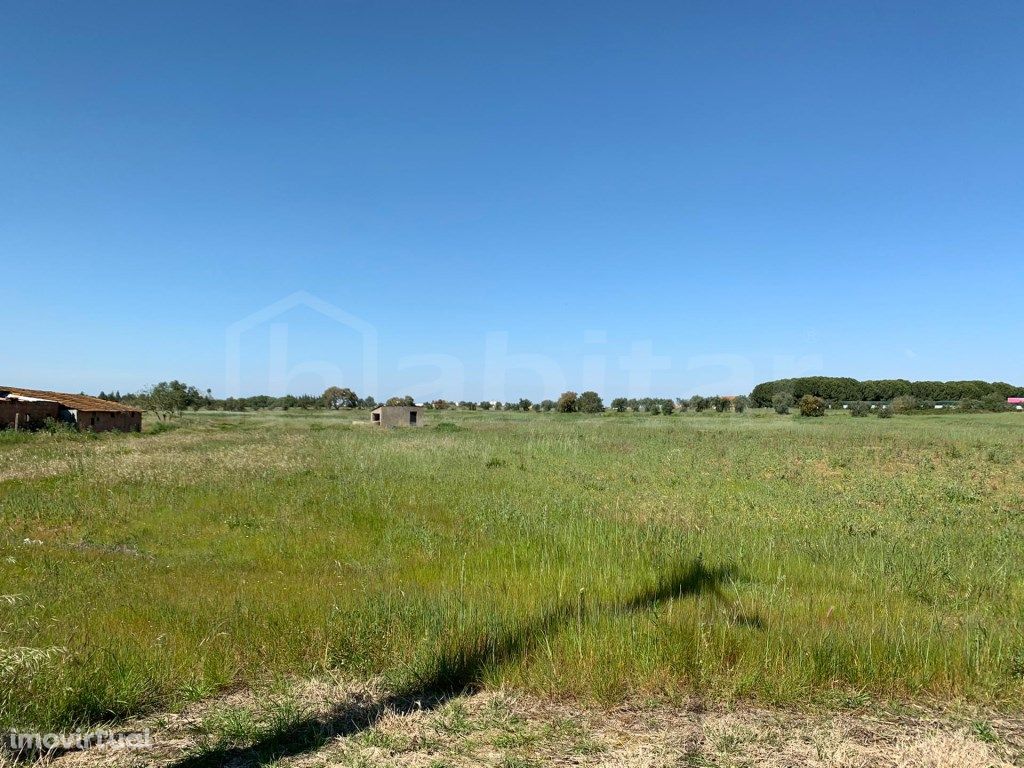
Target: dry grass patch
(504, 729)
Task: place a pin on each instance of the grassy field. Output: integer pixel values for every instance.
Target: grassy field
(830, 560)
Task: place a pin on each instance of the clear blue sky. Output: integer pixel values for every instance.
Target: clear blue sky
(746, 190)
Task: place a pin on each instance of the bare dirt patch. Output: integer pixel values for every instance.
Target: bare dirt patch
(344, 724)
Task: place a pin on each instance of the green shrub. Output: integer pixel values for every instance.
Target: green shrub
(448, 426)
(859, 409)
(884, 413)
(904, 404)
(812, 406)
(58, 427)
(994, 402)
(782, 402)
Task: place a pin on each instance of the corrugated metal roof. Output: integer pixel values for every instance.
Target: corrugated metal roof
(76, 402)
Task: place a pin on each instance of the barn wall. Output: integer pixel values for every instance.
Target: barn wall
(105, 421)
(31, 413)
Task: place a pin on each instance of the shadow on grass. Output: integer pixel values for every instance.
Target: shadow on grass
(453, 674)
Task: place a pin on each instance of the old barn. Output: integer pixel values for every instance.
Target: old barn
(29, 408)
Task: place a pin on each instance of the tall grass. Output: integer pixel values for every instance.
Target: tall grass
(849, 557)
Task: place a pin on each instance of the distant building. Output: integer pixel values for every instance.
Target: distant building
(396, 416)
(29, 408)
(1016, 402)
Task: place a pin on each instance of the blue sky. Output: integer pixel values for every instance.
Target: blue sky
(741, 191)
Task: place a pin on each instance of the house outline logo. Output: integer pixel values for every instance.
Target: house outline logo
(366, 332)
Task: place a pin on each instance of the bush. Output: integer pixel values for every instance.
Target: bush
(589, 402)
(161, 427)
(449, 427)
(782, 402)
(860, 409)
(812, 406)
(59, 427)
(884, 413)
(994, 402)
(567, 402)
(903, 404)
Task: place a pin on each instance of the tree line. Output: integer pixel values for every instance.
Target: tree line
(836, 389)
(173, 397)
(170, 398)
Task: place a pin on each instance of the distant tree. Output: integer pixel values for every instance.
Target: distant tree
(331, 398)
(782, 402)
(369, 403)
(904, 404)
(812, 405)
(485, 405)
(170, 398)
(547, 405)
(589, 402)
(740, 403)
(699, 403)
(993, 401)
(340, 397)
(838, 390)
(407, 400)
(884, 412)
(719, 403)
(567, 402)
(524, 404)
(619, 404)
(535, 407)
(668, 407)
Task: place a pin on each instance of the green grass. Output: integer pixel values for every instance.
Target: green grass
(794, 560)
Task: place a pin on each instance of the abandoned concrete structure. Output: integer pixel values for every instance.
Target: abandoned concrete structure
(396, 416)
(29, 408)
